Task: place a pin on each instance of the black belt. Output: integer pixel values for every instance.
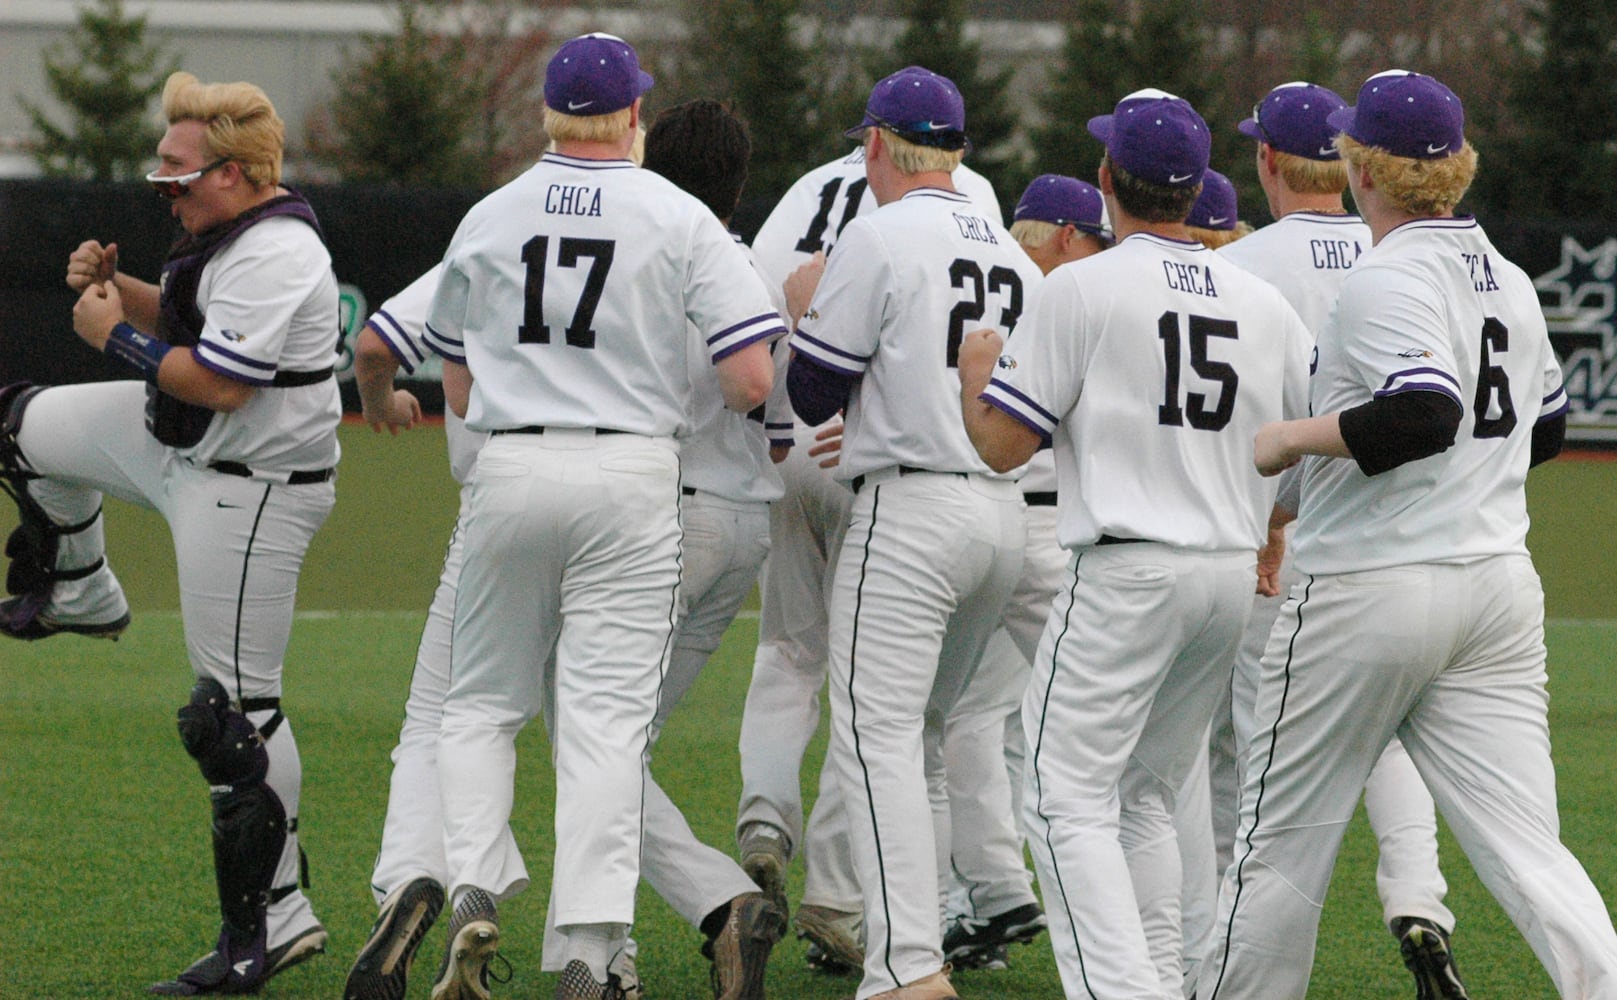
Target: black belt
(288, 380)
(689, 491)
(1040, 498)
(539, 429)
(303, 478)
(904, 470)
(1114, 540)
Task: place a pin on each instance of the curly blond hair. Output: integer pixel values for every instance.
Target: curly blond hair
(242, 125)
(1212, 239)
(563, 127)
(1305, 176)
(1420, 188)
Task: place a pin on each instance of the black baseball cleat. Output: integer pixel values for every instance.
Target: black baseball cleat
(969, 941)
(23, 617)
(1426, 952)
(382, 969)
(234, 967)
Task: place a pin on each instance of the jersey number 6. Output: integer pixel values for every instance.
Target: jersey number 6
(568, 251)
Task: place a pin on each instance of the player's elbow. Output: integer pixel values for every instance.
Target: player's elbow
(371, 354)
(228, 395)
(746, 377)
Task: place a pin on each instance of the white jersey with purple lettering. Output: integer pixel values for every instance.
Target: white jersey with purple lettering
(1306, 255)
(1198, 356)
(575, 316)
(814, 211)
(1435, 307)
(401, 322)
(727, 453)
(914, 277)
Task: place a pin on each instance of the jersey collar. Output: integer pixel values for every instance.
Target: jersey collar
(585, 164)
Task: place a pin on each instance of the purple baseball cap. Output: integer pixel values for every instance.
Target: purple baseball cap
(594, 74)
(1292, 118)
(1157, 137)
(1215, 206)
(1064, 201)
(920, 106)
(1407, 114)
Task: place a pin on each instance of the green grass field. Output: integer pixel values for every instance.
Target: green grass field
(104, 821)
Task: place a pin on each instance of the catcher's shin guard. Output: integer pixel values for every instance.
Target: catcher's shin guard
(249, 833)
(33, 545)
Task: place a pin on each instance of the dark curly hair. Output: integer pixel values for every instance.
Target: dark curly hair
(703, 147)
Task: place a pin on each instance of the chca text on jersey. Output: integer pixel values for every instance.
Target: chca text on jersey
(572, 199)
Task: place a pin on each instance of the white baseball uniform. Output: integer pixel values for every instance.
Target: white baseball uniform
(806, 526)
(1152, 366)
(934, 542)
(1419, 614)
(566, 294)
(1307, 255)
(269, 303)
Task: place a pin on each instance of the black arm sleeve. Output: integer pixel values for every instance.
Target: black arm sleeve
(1548, 436)
(1391, 430)
(817, 392)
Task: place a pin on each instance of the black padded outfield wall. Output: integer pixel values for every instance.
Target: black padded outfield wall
(382, 238)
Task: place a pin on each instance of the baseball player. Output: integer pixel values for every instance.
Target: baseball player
(783, 700)
(233, 439)
(560, 316)
(1419, 612)
(907, 628)
(1057, 220)
(1146, 366)
(1213, 221)
(1306, 254)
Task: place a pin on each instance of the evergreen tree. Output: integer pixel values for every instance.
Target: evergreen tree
(107, 82)
(1555, 150)
(749, 53)
(1109, 53)
(934, 36)
(404, 112)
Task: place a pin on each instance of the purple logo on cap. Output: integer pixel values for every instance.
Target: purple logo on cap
(594, 74)
(1407, 114)
(1064, 201)
(920, 106)
(1157, 137)
(1293, 119)
(1215, 207)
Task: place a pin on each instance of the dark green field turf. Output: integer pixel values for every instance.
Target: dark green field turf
(103, 827)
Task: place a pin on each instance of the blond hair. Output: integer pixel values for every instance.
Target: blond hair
(1033, 233)
(914, 158)
(610, 127)
(1420, 188)
(242, 125)
(1212, 239)
(1305, 176)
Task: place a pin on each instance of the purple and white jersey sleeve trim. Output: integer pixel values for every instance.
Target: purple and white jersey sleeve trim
(403, 346)
(446, 347)
(765, 326)
(234, 366)
(1555, 404)
(781, 435)
(1423, 379)
(1035, 417)
(827, 356)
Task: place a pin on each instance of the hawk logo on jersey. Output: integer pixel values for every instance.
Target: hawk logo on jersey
(233, 336)
(1006, 361)
(1414, 352)
(812, 314)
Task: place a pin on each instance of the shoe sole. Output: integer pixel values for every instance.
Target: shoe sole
(475, 944)
(42, 628)
(839, 946)
(1427, 957)
(381, 972)
(311, 943)
(759, 924)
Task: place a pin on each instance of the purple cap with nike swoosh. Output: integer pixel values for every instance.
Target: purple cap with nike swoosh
(1156, 137)
(1407, 114)
(919, 106)
(1293, 119)
(1215, 207)
(594, 74)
